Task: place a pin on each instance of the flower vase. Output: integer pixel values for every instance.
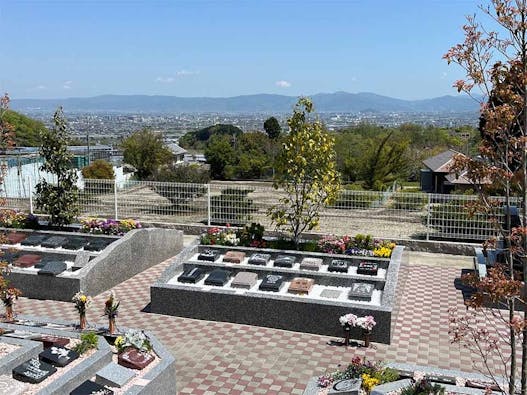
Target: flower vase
(347, 329)
(9, 314)
(82, 322)
(111, 325)
(366, 335)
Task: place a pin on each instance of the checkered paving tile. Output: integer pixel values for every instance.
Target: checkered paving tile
(226, 358)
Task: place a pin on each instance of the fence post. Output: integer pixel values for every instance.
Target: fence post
(208, 205)
(30, 184)
(429, 214)
(115, 198)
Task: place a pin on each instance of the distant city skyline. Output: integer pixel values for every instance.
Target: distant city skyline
(60, 49)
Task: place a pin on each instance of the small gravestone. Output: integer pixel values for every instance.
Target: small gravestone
(368, 268)
(52, 268)
(338, 265)
(301, 285)
(53, 341)
(81, 259)
(346, 387)
(58, 356)
(114, 375)
(331, 293)
(272, 282)
(21, 335)
(10, 386)
(361, 291)
(259, 259)
(134, 359)
(53, 242)
(191, 275)
(218, 277)
(284, 261)
(27, 260)
(33, 240)
(311, 264)
(234, 256)
(33, 371)
(91, 388)
(16, 237)
(208, 255)
(98, 244)
(75, 243)
(244, 280)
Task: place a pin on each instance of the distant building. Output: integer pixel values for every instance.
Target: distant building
(437, 177)
(195, 158)
(178, 152)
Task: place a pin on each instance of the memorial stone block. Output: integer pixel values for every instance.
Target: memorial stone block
(16, 237)
(311, 264)
(191, 275)
(53, 268)
(346, 387)
(301, 285)
(284, 261)
(21, 335)
(259, 259)
(53, 242)
(368, 268)
(272, 282)
(338, 265)
(208, 255)
(98, 244)
(75, 243)
(234, 256)
(91, 388)
(58, 356)
(361, 291)
(244, 280)
(10, 386)
(81, 259)
(33, 240)
(33, 371)
(27, 260)
(114, 375)
(218, 277)
(53, 341)
(134, 359)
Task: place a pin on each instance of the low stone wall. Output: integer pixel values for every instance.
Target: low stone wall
(302, 314)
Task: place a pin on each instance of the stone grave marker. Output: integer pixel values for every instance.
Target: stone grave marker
(346, 387)
(244, 280)
(338, 265)
(191, 275)
(91, 387)
(27, 260)
(134, 359)
(218, 277)
(10, 386)
(259, 259)
(21, 335)
(53, 242)
(58, 356)
(208, 255)
(33, 371)
(361, 291)
(75, 243)
(33, 240)
(52, 268)
(272, 282)
(234, 256)
(284, 261)
(311, 263)
(331, 293)
(114, 375)
(52, 341)
(301, 285)
(16, 237)
(81, 259)
(98, 244)
(368, 268)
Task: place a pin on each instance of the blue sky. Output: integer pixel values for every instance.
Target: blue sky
(70, 48)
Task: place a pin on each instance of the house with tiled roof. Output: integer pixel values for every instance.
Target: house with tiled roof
(436, 176)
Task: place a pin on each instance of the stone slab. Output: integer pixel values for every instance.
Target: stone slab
(53, 242)
(285, 261)
(330, 293)
(58, 356)
(33, 371)
(52, 268)
(15, 237)
(218, 277)
(10, 386)
(259, 259)
(27, 260)
(81, 259)
(33, 240)
(272, 282)
(191, 275)
(346, 387)
(98, 244)
(361, 291)
(311, 264)
(244, 280)
(134, 359)
(234, 256)
(91, 387)
(338, 265)
(75, 243)
(114, 375)
(368, 268)
(301, 285)
(208, 255)
(52, 341)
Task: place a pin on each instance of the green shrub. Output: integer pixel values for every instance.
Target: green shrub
(89, 340)
(409, 201)
(232, 206)
(99, 170)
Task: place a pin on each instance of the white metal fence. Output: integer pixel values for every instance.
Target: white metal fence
(383, 214)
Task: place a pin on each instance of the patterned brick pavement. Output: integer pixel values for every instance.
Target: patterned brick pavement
(225, 358)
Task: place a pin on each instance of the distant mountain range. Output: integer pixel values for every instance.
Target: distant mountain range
(266, 103)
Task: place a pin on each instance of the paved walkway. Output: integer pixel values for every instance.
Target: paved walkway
(225, 358)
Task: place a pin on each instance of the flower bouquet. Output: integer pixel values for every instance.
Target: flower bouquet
(111, 308)
(82, 302)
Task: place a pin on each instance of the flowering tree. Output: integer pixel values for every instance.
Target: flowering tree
(496, 64)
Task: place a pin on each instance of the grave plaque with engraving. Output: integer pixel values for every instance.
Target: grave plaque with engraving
(33, 371)
(218, 277)
(16, 237)
(284, 261)
(53, 341)
(52, 268)
(91, 388)
(191, 275)
(272, 282)
(27, 260)
(53, 242)
(311, 264)
(338, 265)
(208, 255)
(244, 280)
(346, 387)
(301, 285)
(331, 293)
(75, 243)
(368, 268)
(98, 244)
(58, 356)
(361, 291)
(33, 240)
(259, 259)
(234, 256)
(134, 359)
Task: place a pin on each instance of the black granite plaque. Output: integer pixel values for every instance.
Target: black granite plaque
(52, 268)
(259, 259)
(218, 277)
(53, 242)
(271, 282)
(191, 275)
(33, 371)
(285, 261)
(33, 240)
(75, 243)
(91, 388)
(338, 265)
(368, 268)
(58, 356)
(347, 387)
(98, 244)
(208, 255)
(361, 291)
